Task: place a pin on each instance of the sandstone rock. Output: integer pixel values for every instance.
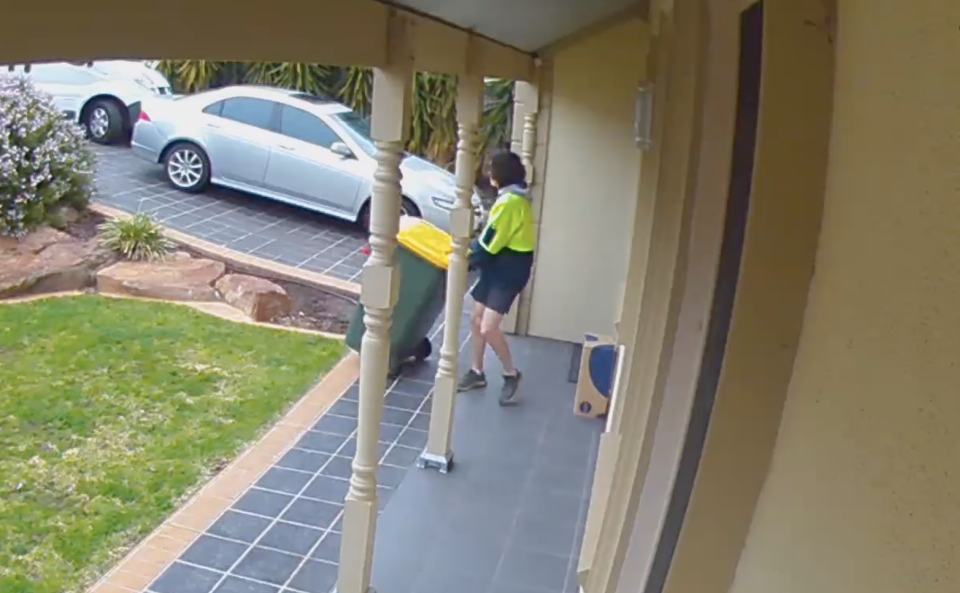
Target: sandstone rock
(42, 238)
(46, 260)
(176, 279)
(179, 256)
(259, 298)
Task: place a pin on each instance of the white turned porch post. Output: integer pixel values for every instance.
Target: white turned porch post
(526, 110)
(529, 143)
(392, 87)
(439, 453)
(523, 142)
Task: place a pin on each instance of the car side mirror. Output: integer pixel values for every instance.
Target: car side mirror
(342, 150)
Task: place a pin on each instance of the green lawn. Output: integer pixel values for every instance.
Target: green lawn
(111, 411)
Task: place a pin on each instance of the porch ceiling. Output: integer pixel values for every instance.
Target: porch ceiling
(529, 25)
(344, 32)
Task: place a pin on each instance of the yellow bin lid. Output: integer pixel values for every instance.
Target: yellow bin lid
(425, 240)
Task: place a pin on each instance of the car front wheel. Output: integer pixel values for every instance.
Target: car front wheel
(187, 167)
(104, 121)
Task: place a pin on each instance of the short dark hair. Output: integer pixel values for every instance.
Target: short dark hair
(507, 169)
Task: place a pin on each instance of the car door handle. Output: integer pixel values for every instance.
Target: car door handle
(214, 126)
(285, 147)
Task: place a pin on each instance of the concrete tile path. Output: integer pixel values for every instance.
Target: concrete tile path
(242, 222)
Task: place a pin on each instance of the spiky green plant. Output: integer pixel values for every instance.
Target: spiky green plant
(190, 76)
(356, 89)
(315, 79)
(230, 73)
(434, 125)
(169, 69)
(138, 238)
(497, 114)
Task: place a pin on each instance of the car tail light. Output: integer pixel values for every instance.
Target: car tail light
(365, 250)
(144, 116)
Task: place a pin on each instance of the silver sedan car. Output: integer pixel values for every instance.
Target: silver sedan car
(287, 146)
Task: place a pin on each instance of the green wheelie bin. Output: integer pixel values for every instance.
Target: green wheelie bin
(422, 254)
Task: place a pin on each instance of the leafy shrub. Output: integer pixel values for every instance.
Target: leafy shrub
(137, 238)
(44, 159)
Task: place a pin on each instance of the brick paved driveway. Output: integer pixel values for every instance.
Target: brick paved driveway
(239, 221)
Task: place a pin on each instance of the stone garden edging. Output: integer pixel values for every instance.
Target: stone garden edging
(248, 264)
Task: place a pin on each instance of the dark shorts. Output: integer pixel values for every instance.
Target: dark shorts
(494, 293)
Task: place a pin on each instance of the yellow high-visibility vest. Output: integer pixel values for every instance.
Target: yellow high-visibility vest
(510, 225)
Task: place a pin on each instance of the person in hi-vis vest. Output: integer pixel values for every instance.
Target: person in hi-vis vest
(503, 254)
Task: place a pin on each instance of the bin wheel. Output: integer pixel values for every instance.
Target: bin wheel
(422, 351)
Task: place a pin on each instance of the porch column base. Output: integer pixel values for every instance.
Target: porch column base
(441, 463)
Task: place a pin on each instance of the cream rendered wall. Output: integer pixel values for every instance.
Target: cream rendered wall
(862, 492)
(590, 184)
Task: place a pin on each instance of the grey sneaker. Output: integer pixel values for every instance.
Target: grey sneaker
(508, 394)
(471, 380)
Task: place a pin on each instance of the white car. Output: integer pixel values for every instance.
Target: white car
(104, 97)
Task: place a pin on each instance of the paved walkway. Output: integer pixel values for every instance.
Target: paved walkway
(242, 222)
(509, 518)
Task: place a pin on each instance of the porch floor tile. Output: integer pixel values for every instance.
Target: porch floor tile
(508, 518)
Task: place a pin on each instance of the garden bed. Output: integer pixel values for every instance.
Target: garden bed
(311, 307)
(324, 310)
(84, 228)
(114, 411)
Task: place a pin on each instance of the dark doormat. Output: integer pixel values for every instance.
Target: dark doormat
(573, 375)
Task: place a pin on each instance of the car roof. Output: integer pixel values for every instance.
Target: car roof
(318, 105)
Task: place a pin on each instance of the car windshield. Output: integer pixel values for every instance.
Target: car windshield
(359, 129)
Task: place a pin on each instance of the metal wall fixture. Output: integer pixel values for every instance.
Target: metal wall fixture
(643, 118)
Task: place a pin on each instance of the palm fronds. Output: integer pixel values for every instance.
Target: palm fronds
(190, 76)
(433, 132)
(315, 79)
(356, 89)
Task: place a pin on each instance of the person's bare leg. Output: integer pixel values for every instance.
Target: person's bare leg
(474, 378)
(477, 340)
(490, 328)
(493, 335)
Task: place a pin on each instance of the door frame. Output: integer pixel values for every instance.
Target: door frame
(662, 370)
(776, 270)
(692, 424)
(655, 284)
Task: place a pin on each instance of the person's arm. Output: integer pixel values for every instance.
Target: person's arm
(477, 256)
(495, 236)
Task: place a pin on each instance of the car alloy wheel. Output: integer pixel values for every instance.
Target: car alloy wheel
(185, 168)
(99, 123)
